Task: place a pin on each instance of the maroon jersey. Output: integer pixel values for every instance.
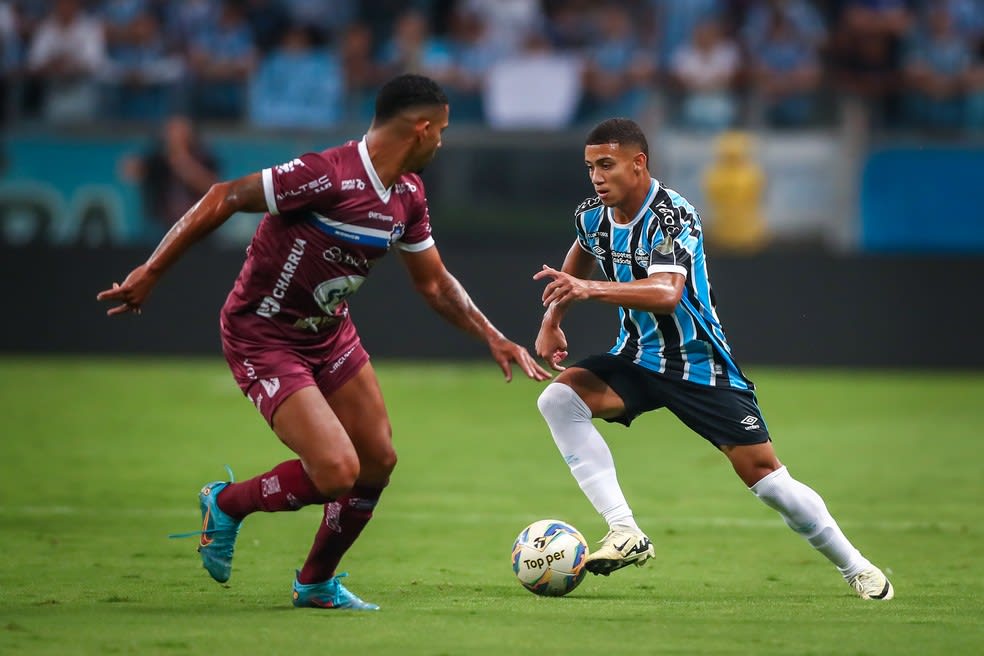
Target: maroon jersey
(329, 220)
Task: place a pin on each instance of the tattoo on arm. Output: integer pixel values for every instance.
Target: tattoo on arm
(452, 302)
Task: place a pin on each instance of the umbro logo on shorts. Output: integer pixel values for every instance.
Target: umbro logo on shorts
(750, 422)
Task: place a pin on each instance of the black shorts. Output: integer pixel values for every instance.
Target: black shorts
(722, 416)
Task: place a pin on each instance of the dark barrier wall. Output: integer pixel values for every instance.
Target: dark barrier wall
(800, 309)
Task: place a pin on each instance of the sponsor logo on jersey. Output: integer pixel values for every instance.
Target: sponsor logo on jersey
(315, 324)
(288, 167)
(270, 305)
(317, 185)
(405, 187)
(342, 256)
(588, 204)
(331, 293)
(380, 216)
(667, 219)
(621, 257)
(356, 183)
(642, 257)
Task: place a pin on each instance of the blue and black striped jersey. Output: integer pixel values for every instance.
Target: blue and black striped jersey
(664, 236)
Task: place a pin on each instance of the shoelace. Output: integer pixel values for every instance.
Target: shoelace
(198, 533)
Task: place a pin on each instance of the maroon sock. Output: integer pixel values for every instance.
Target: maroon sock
(285, 487)
(343, 522)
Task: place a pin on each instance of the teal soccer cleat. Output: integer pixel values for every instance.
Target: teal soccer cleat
(218, 535)
(329, 594)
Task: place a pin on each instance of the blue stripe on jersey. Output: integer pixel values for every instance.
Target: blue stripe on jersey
(349, 236)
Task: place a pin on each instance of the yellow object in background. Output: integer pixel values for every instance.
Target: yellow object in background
(734, 188)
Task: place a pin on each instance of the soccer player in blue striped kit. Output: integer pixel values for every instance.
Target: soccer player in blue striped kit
(671, 352)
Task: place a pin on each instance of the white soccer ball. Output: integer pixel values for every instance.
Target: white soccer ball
(548, 557)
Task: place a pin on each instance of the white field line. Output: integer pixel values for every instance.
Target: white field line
(654, 524)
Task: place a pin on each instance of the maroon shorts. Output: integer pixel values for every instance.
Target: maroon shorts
(268, 373)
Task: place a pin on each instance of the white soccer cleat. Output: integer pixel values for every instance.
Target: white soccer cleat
(619, 549)
(872, 584)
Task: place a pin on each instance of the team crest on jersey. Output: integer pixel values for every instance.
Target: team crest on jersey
(397, 232)
(642, 257)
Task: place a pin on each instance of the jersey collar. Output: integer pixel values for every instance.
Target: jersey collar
(377, 184)
(653, 188)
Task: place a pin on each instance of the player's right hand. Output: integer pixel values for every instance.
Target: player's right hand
(551, 346)
(131, 294)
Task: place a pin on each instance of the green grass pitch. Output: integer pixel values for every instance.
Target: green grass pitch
(101, 459)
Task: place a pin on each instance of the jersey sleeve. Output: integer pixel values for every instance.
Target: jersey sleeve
(672, 244)
(296, 184)
(579, 221)
(417, 236)
(582, 236)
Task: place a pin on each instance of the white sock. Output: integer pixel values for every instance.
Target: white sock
(586, 453)
(805, 512)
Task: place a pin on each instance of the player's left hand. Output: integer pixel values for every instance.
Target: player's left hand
(506, 352)
(563, 288)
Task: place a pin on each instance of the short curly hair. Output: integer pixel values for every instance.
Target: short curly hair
(405, 91)
(623, 131)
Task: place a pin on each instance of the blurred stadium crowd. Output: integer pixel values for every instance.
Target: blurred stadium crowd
(695, 64)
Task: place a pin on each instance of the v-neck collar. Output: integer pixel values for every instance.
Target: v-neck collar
(377, 184)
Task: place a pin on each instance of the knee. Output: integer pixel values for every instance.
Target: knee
(377, 457)
(333, 474)
(382, 465)
(557, 400)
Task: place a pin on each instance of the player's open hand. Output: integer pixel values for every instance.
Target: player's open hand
(563, 288)
(131, 294)
(506, 352)
(551, 346)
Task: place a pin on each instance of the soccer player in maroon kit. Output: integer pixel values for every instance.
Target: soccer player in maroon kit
(287, 334)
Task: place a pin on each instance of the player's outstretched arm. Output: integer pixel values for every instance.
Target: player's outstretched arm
(219, 203)
(448, 297)
(551, 342)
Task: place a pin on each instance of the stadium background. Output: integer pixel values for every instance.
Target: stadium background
(867, 184)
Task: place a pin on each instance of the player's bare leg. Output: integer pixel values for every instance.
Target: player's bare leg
(805, 512)
(567, 405)
(360, 409)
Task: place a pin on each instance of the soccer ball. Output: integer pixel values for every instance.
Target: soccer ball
(548, 557)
